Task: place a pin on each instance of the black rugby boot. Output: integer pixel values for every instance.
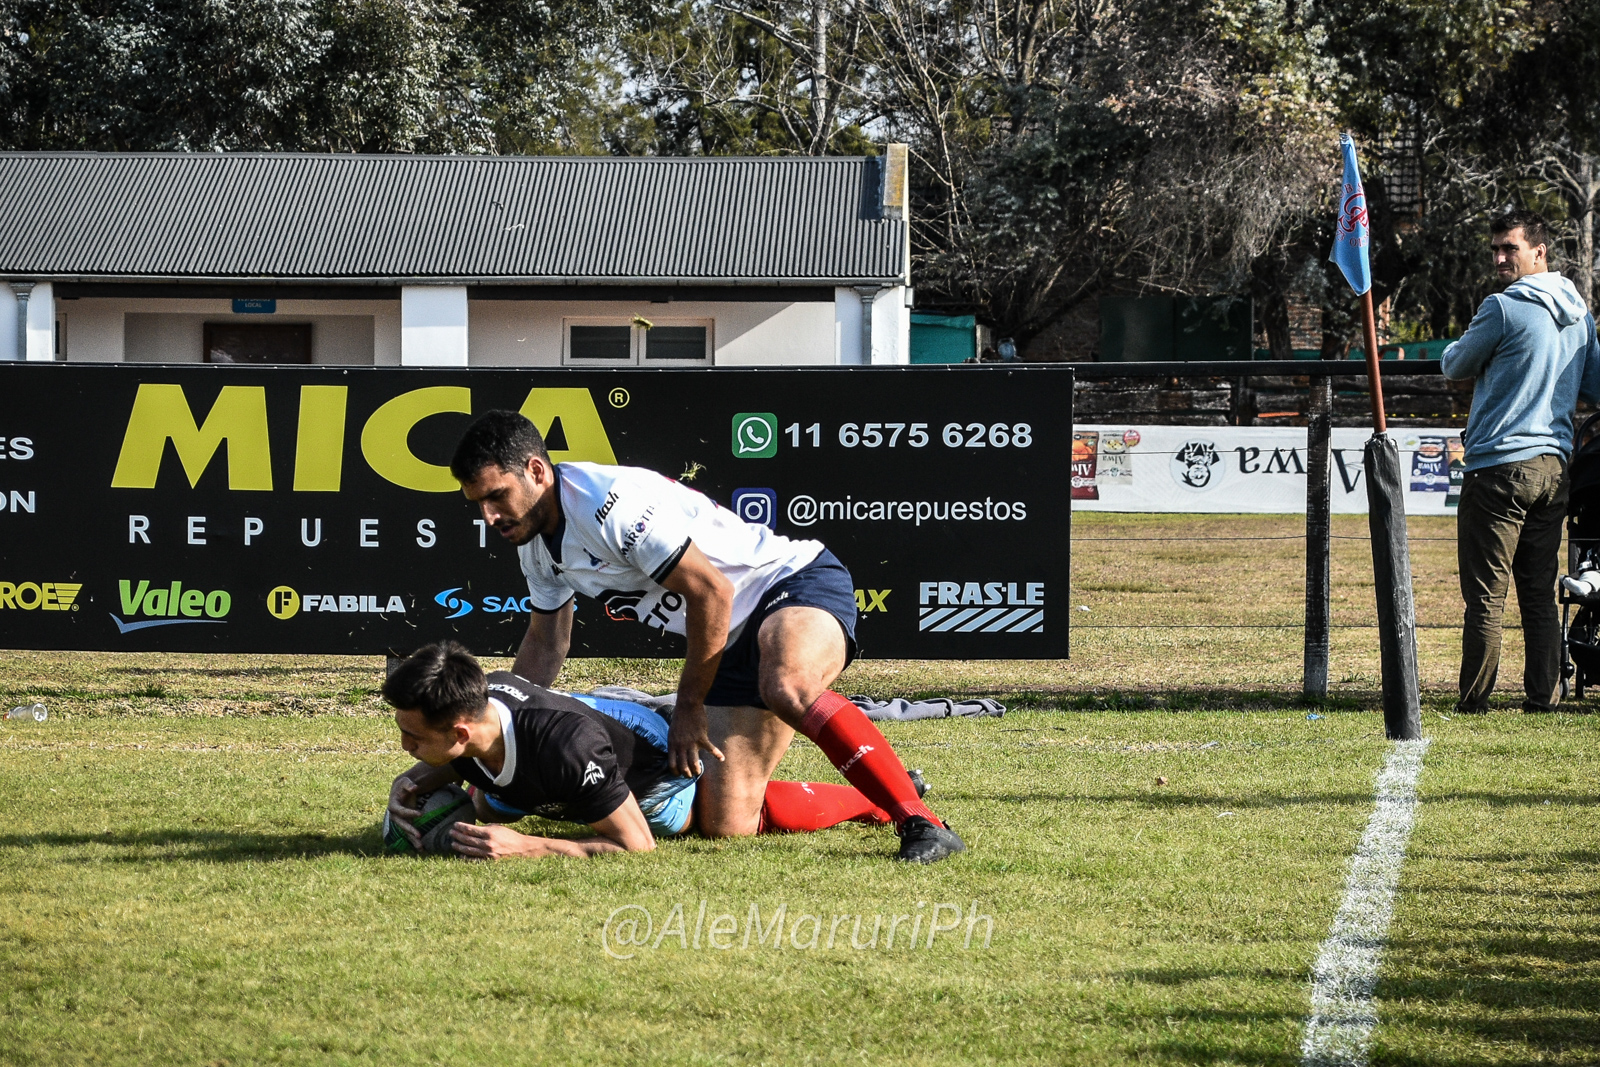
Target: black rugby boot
(925, 841)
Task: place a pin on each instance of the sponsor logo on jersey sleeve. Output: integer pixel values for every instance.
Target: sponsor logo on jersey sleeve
(637, 531)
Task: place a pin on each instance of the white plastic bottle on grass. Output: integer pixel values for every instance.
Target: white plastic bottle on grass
(36, 712)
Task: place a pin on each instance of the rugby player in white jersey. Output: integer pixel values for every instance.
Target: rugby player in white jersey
(768, 622)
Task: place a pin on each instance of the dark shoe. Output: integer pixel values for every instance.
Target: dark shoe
(924, 841)
(1462, 709)
(1530, 708)
(920, 782)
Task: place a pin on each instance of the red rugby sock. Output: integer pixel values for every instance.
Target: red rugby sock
(862, 754)
(800, 807)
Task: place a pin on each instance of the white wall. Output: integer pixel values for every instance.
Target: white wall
(433, 326)
(94, 331)
(847, 327)
(114, 329)
(498, 333)
(891, 327)
(169, 338)
(38, 343)
(8, 322)
(528, 333)
(42, 323)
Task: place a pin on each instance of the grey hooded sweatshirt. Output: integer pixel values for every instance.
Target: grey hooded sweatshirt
(1533, 351)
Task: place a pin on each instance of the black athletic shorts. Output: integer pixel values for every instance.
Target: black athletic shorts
(823, 583)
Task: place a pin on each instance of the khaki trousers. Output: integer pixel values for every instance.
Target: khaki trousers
(1508, 528)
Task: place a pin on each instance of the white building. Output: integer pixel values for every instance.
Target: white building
(479, 261)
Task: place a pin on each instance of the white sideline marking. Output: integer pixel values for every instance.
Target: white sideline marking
(1342, 980)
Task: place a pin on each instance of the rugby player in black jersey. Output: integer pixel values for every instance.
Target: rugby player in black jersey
(527, 750)
(768, 622)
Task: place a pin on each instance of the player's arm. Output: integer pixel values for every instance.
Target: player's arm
(544, 647)
(624, 830)
(708, 611)
(419, 781)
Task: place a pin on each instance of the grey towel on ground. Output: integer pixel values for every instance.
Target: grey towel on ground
(901, 710)
(663, 704)
(897, 710)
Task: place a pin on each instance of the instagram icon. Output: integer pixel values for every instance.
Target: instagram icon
(758, 506)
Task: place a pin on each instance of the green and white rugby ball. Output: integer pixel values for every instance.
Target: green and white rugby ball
(441, 809)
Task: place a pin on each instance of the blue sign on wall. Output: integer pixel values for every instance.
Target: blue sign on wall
(255, 307)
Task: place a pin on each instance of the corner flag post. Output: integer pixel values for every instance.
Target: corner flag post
(1386, 506)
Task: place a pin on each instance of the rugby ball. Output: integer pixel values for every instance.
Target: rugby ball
(441, 809)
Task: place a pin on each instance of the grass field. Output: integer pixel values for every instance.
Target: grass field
(191, 872)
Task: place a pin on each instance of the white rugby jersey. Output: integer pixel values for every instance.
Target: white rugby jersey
(623, 529)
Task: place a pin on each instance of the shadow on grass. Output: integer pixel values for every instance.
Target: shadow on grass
(1514, 968)
(1174, 801)
(236, 846)
(213, 846)
(1284, 698)
(1199, 1051)
(1172, 699)
(261, 671)
(1253, 1037)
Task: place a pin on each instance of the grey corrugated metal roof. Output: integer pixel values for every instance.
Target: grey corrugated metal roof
(193, 216)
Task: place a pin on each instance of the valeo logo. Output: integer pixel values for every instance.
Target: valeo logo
(755, 435)
(40, 596)
(169, 605)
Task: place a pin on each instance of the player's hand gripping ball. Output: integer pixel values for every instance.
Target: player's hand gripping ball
(441, 809)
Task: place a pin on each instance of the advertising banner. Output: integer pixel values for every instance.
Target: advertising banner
(311, 509)
(1249, 469)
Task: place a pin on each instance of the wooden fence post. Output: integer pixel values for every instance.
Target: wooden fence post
(1319, 536)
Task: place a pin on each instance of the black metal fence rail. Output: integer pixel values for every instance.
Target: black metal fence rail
(1324, 392)
(1265, 393)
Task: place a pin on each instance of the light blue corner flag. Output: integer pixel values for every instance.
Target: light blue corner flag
(1350, 236)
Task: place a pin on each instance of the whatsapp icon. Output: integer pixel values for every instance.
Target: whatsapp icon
(755, 435)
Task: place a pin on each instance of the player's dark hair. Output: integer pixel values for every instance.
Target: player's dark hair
(440, 680)
(1534, 229)
(503, 439)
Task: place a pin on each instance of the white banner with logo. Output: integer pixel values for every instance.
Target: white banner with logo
(1249, 469)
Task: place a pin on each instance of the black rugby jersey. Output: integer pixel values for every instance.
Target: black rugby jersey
(564, 759)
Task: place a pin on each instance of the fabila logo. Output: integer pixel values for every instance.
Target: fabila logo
(161, 413)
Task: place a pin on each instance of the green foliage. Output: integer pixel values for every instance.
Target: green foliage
(1061, 149)
(295, 75)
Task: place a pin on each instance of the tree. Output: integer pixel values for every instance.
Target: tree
(297, 75)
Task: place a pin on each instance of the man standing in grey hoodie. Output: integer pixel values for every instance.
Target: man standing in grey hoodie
(1532, 352)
